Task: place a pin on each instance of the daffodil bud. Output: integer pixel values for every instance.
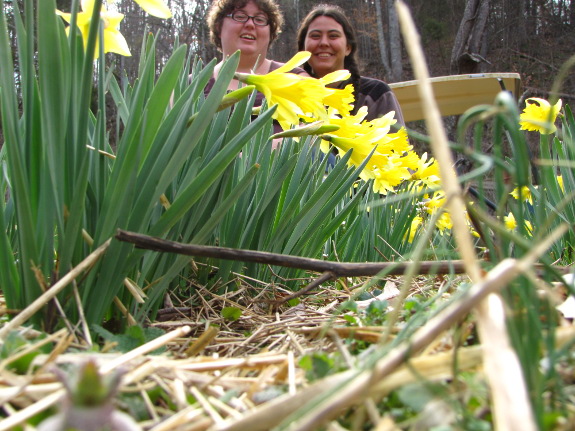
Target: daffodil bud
(316, 128)
(242, 77)
(235, 96)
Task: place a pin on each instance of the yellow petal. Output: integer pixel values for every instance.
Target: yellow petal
(297, 60)
(156, 8)
(338, 75)
(115, 42)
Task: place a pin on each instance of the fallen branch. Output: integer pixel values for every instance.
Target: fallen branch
(338, 269)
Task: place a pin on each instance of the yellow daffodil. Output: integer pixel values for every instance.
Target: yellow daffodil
(362, 146)
(396, 143)
(340, 99)
(383, 124)
(473, 232)
(434, 202)
(352, 125)
(523, 194)
(295, 95)
(444, 223)
(349, 126)
(560, 182)
(297, 60)
(409, 160)
(156, 8)
(367, 135)
(539, 115)
(511, 223)
(437, 203)
(113, 39)
(388, 176)
(390, 164)
(415, 224)
(427, 171)
(337, 76)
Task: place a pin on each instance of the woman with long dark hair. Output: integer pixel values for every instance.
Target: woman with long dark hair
(328, 35)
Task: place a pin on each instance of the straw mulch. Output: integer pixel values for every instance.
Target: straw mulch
(243, 374)
(249, 362)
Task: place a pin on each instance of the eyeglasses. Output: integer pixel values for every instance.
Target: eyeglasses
(239, 16)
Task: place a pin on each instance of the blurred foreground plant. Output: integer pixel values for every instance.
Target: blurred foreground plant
(89, 402)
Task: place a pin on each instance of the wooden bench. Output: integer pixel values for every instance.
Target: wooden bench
(455, 93)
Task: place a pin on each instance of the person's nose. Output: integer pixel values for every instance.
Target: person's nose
(323, 41)
(250, 22)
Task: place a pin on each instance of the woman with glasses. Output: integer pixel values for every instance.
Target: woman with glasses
(250, 26)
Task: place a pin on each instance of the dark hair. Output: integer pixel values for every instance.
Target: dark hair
(220, 8)
(337, 14)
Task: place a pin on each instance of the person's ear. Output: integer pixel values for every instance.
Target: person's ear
(347, 50)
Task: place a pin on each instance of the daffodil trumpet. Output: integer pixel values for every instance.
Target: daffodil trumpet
(539, 115)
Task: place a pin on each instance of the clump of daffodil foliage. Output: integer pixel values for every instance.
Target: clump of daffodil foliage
(175, 171)
(302, 99)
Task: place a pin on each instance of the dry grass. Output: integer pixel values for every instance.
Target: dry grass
(245, 374)
(207, 356)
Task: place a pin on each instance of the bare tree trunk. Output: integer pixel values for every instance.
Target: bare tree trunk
(466, 57)
(381, 39)
(394, 44)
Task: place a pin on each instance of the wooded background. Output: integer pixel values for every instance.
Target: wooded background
(531, 37)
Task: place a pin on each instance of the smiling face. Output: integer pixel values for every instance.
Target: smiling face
(252, 40)
(326, 41)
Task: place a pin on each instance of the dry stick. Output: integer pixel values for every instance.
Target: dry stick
(502, 367)
(350, 387)
(439, 145)
(43, 299)
(12, 421)
(185, 416)
(81, 314)
(434, 367)
(326, 276)
(509, 407)
(339, 269)
(29, 348)
(202, 342)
